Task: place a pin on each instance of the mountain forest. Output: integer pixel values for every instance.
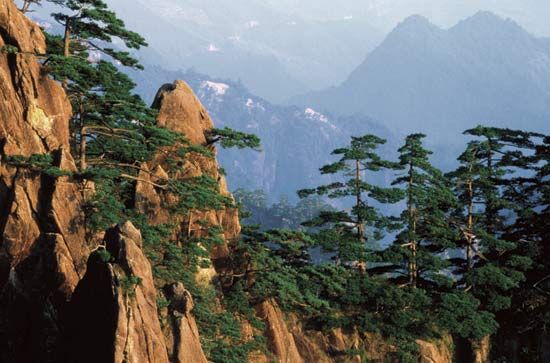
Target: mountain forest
(120, 240)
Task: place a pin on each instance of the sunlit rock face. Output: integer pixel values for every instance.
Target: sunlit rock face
(43, 249)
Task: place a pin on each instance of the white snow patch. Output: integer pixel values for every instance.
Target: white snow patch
(349, 17)
(235, 38)
(219, 88)
(314, 115)
(249, 103)
(213, 48)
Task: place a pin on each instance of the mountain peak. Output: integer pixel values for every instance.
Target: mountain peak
(414, 26)
(416, 22)
(483, 20)
(486, 15)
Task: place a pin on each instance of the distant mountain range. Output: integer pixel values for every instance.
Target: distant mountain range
(423, 78)
(420, 79)
(296, 141)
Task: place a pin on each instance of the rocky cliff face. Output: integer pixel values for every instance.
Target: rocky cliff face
(290, 342)
(61, 299)
(43, 249)
(114, 306)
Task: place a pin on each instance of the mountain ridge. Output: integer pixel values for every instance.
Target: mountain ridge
(441, 81)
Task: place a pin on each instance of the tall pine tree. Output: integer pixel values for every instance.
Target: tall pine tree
(491, 266)
(414, 258)
(351, 230)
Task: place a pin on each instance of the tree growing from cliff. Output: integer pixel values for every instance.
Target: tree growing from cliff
(229, 138)
(350, 230)
(110, 125)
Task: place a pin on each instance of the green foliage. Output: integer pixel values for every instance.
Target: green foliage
(277, 265)
(92, 23)
(104, 255)
(199, 193)
(502, 171)
(415, 255)
(114, 128)
(221, 334)
(469, 256)
(129, 283)
(357, 159)
(492, 167)
(42, 163)
(229, 138)
(9, 49)
(113, 134)
(104, 209)
(459, 314)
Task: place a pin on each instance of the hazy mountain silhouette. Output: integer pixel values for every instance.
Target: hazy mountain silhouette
(423, 78)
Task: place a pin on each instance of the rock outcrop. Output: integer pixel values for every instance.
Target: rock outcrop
(482, 350)
(182, 334)
(290, 342)
(113, 314)
(280, 339)
(43, 249)
(436, 352)
(181, 111)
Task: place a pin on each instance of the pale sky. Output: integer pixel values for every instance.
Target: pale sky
(533, 15)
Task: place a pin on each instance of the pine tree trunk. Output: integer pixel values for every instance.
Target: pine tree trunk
(66, 48)
(469, 235)
(359, 202)
(67, 40)
(413, 269)
(490, 211)
(470, 227)
(83, 135)
(362, 265)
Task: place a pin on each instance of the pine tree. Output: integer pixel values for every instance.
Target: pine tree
(491, 266)
(534, 226)
(106, 113)
(229, 138)
(349, 228)
(526, 189)
(426, 233)
(88, 24)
